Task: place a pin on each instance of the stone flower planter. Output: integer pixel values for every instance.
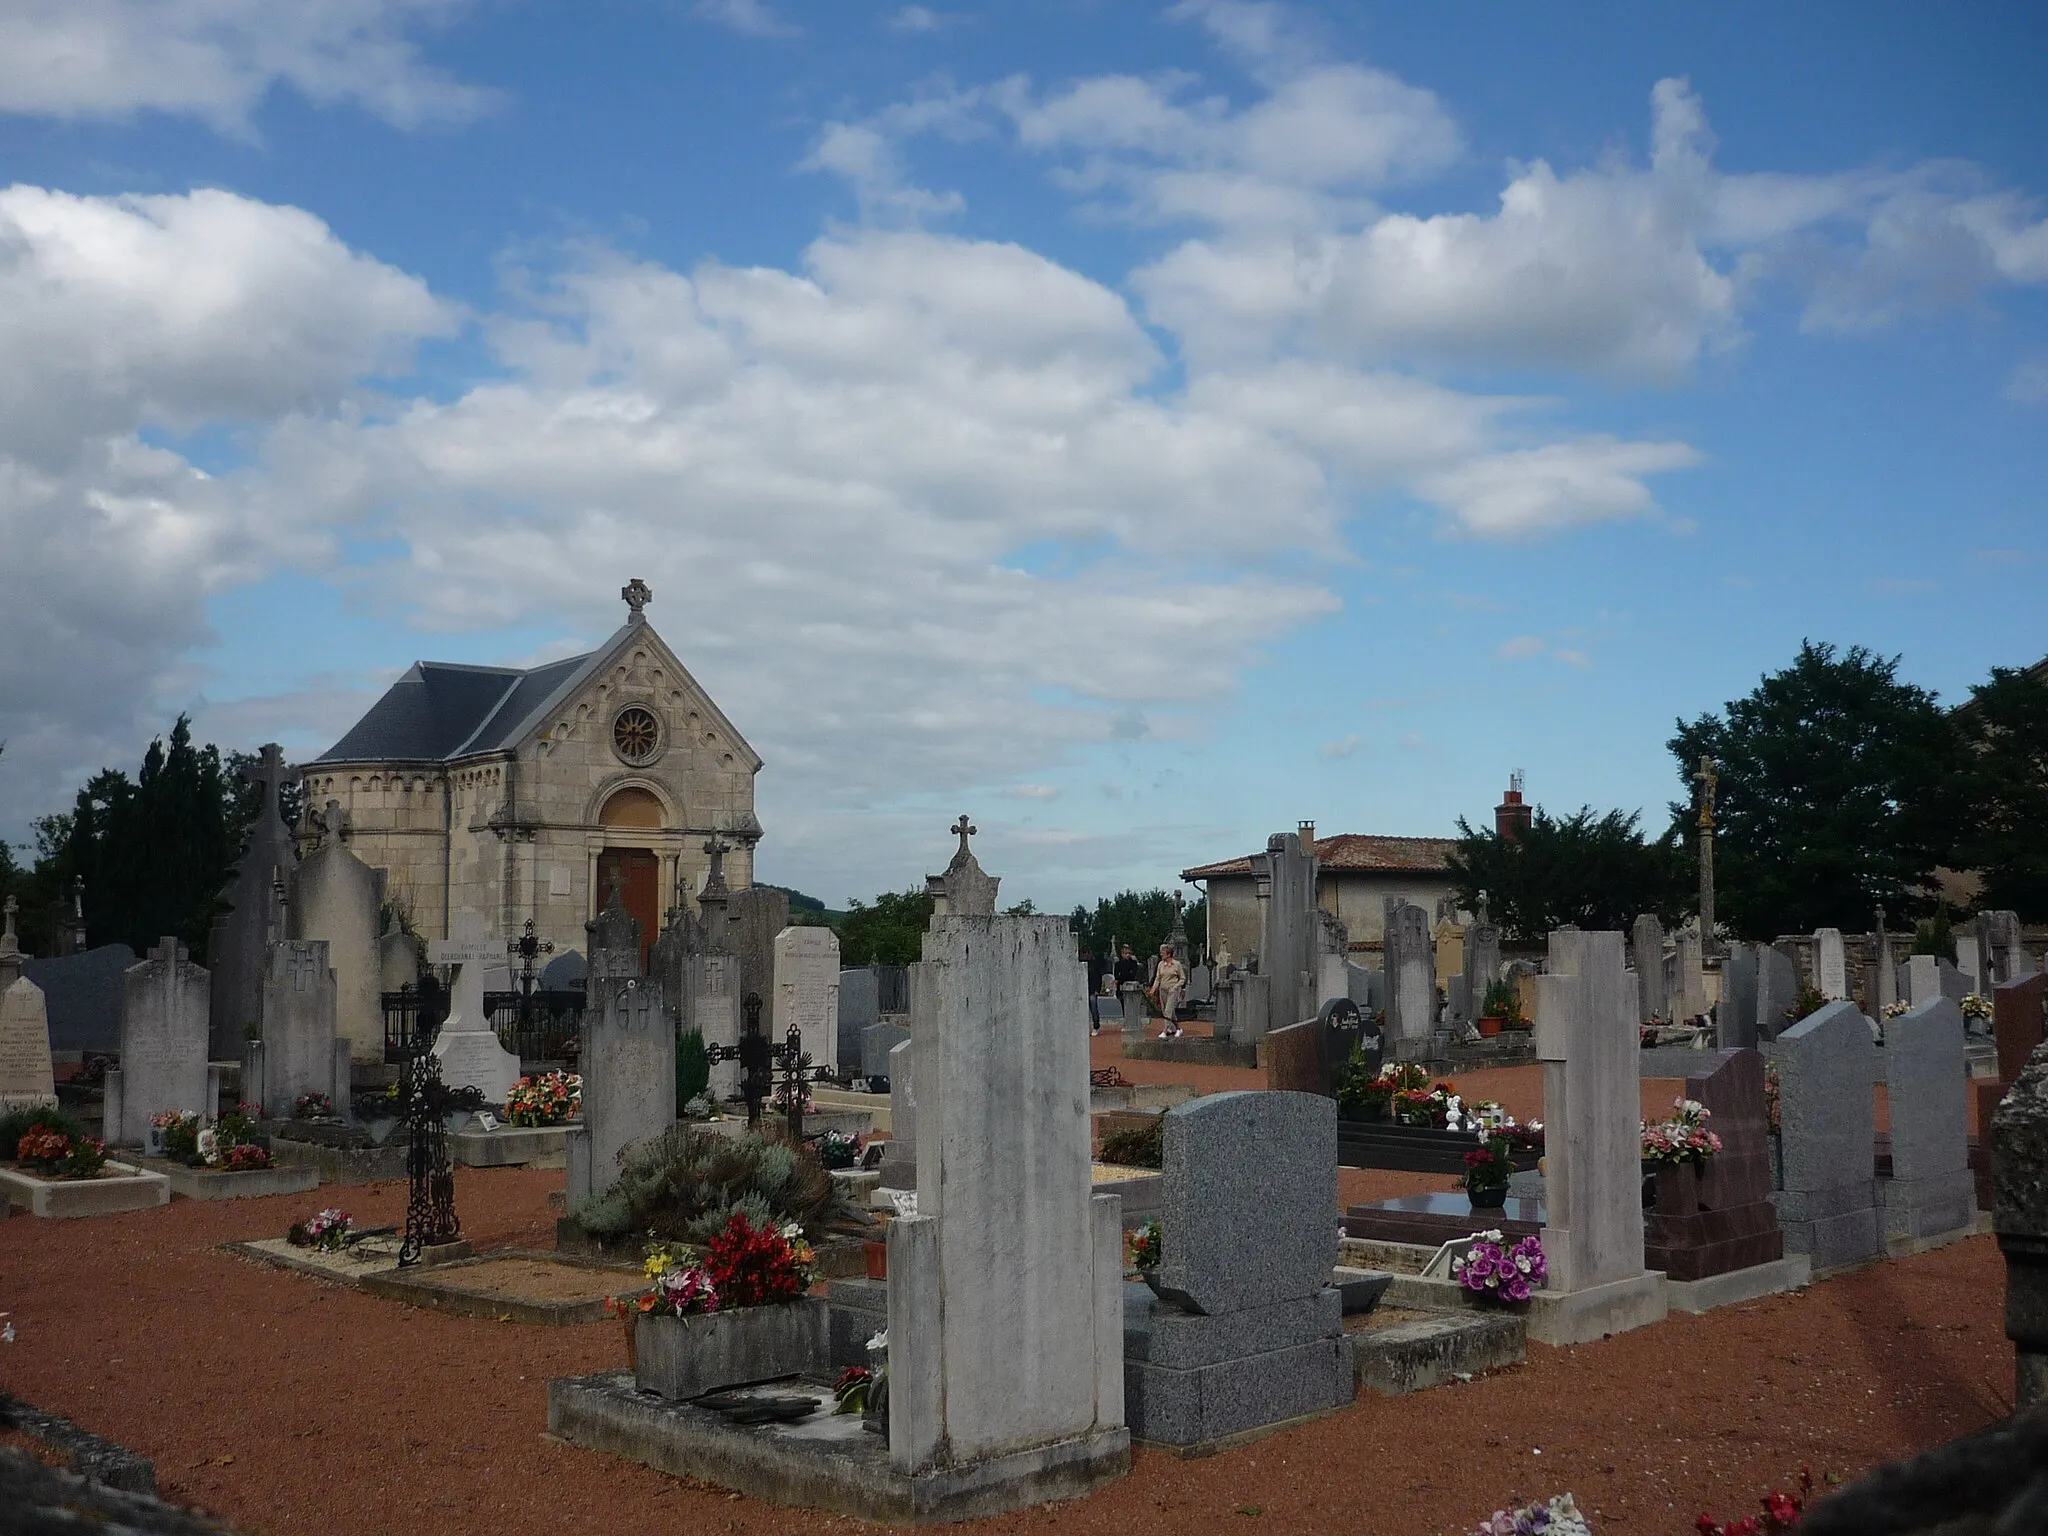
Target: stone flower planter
(685, 1357)
(1678, 1189)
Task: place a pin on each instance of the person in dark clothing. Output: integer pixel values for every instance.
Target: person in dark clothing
(1129, 968)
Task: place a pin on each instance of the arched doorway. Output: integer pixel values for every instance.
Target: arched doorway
(638, 870)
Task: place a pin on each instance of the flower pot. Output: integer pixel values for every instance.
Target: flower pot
(1374, 1109)
(1492, 1198)
(685, 1357)
(1489, 1025)
(628, 1319)
(1151, 1279)
(1678, 1189)
(877, 1255)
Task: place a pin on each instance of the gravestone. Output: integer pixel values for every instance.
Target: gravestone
(1449, 938)
(297, 1054)
(1410, 981)
(711, 1005)
(996, 1348)
(1362, 986)
(1482, 961)
(2016, 1022)
(965, 889)
(1200, 983)
(1332, 945)
(1777, 990)
(1735, 1016)
(1827, 1128)
(860, 1009)
(629, 1078)
(1930, 1193)
(1648, 948)
(1883, 987)
(807, 990)
(1830, 964)
(1970, 959)
(1930, 977)
(1132, 995)
(1340, 1029)
(899, 1153)
(1586, 1038)
(1291, 1058)
(1690, 975)
(26, 1078)
(2018, 1136)
(237, 946)
(82, 995)
(1731, 1224)
(752, 919)
(1287, 958)
(564, 973)
(1247, 1331)
(338, 899)
(876, 1042)
(467, 1046)
(165, 1024)
(398, 962)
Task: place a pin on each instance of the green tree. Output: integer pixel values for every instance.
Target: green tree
(1141, 919)
(154, 852)
(2003, 835)
(890, 931)
(1596, 871)
(1837, 793)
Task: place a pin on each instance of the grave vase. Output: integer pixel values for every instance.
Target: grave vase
(1678, 1189)
(1489, 1026)
(1492, 1198)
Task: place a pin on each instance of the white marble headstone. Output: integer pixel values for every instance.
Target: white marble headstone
(467, 1046)
(26, 1081)
(807, 990)
(1830, 964)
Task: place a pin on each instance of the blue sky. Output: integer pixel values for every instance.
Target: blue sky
(1143, 427)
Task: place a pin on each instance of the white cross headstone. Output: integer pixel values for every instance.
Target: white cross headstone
(467, 1046)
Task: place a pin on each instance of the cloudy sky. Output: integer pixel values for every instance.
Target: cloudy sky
(1141, 427)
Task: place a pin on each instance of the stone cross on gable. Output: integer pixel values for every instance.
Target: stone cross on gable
(963, 829)
(965, 889)
(636, 595)
(469, 947)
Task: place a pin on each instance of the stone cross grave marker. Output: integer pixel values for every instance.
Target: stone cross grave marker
(1827, 1127)
(1648, 947)
(467, 1046)
(296, 1055)
(807, 990)
(629, 1081)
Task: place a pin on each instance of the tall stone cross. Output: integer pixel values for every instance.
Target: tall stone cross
(10, 947)
(1708, 779)
(965, 889)
(637, 595)
(715, 848)
(963, 829)
(469, 947)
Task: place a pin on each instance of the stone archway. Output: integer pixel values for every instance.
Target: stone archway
(626, 811)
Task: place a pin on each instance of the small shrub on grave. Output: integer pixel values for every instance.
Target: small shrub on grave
(14, 1123)
(1141, 1146)
(840, 1149)
(57, 1155)
(693, 1070)
(685, 1185)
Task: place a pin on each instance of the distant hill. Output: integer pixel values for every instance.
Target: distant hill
(807, 911)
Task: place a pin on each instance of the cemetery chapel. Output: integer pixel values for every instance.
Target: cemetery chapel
(526, 793)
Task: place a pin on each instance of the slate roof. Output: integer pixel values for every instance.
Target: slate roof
(442, 710)
(1353, 851)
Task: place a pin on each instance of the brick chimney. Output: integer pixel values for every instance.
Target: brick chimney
(1511, 817)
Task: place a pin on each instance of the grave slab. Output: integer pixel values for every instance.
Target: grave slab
(1429, 1351)
(1791, 1273)
(126, 1187)
(223, 1184)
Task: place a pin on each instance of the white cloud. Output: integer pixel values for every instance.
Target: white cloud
(217, 59)
(1531, 491)
(1573, 658)
(1032, 792)
(752, 18)
(1336, 751)
(2028, 384)
(1521, 648)
(916, 18)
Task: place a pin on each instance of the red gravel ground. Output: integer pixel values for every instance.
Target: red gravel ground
(287, 1404)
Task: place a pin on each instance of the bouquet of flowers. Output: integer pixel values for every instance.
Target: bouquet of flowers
(1428, 1107)
(1977, 1006)
(247, 1157)
(850, 1391)
(1555, 1517)
(758, 1266)
(1894, 1010)
(1148, 1242)
(314, 1106)
(1521, 1136)
(328, 1230)
(1684, 1138)
(840, 1149)
(181, 1133)
(548, 1099)
(1500, 1272)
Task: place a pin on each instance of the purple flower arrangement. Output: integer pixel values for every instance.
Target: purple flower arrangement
(1498, 1271)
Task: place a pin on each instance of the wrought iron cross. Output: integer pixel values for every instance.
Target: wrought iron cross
(527, 946)
(430, 1217)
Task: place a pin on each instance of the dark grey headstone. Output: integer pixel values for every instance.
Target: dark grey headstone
(1828, 1127)
(876, 1042)
(83, 996)
(1340, 1028)
(1777, 989)
(1250, 1199)
(1735, 1014)
(565, 972)
(860, 1009)
(1931, 1190)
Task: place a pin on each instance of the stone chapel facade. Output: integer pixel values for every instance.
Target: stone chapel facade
(521, 794)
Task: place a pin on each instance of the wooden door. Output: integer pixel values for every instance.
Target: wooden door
(639, 875)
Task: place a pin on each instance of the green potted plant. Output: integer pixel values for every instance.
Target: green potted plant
(1488, 1167)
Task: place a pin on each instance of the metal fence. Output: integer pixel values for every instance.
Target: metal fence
(892, 988)
(551, 1029)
